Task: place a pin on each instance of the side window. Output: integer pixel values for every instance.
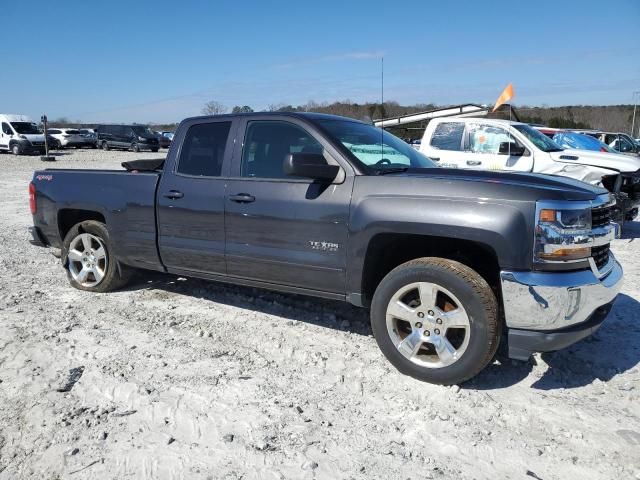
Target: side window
(487, 138)
(624, 144)
(54, 131)
(203, 149)
(448, 136)
(6, 129)
(268, 143)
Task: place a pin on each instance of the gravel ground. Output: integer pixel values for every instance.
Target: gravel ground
(185, 379)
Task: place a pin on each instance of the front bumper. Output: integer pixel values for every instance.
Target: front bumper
(522, 343)
(546, 303)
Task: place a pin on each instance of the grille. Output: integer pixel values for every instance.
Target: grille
(600, 255)
(600, 216)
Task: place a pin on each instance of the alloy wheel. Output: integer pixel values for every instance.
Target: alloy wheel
(428, 325)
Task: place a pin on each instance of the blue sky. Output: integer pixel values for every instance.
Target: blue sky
(161, 61)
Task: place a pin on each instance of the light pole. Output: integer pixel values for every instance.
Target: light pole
(635, 106)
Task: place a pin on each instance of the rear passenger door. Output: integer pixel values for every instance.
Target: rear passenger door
(280, 229)
(446, 144)
(191, 196)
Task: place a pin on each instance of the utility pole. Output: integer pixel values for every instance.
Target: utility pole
(635, 106)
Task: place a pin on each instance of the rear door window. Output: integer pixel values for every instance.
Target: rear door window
(203, 149)
(448, 136)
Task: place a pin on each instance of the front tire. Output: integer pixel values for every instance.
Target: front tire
(15, 149)
(436, 320)
(88, 258)
(135, 147)
(105, 146)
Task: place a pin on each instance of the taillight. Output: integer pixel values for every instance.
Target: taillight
(32, 198)
(602, 149)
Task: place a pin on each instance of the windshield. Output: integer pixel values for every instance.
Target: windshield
(142, 131)
(25, 128)
(540, 140)
(374, 147)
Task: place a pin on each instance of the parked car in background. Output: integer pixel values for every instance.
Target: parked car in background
(68, 137)
(127, 137)
(448, 262)
(580, 141)
(620, 142)
(90, 135)
(169, 135)
(489, 144)
(163, 141)
(20, 135)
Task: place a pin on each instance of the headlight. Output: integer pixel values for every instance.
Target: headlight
(562, 232)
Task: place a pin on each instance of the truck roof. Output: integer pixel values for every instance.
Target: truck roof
(306, 115)
(14, 117)
(490, 121)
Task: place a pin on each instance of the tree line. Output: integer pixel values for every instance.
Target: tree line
(616, 118)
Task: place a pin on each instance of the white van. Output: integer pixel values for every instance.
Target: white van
(488, 144)
(20, 135)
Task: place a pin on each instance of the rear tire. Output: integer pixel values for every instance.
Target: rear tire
(436, 320)
(87, 255)
(154, 150)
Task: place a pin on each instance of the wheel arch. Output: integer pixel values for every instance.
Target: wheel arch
(385, 251)
(68, 217)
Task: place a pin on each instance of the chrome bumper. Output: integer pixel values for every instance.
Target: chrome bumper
(556, 300)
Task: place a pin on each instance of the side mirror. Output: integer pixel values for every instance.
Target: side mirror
(511, 148)
(309, 165)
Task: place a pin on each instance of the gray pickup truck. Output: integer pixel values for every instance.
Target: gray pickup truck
(449, 262)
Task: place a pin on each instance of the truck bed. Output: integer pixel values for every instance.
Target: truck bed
(125, 201)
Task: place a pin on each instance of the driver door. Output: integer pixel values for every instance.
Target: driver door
(482, 150)
(280, 229)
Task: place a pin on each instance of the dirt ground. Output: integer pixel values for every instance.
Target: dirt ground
(186, 379)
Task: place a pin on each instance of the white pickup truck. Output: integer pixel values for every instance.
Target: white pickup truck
(490, 144)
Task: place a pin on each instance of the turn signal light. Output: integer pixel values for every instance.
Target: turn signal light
(567, 254)
(547, 215)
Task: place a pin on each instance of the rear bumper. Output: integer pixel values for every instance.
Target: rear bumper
(37, 238)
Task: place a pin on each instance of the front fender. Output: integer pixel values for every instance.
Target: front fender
(504, 228)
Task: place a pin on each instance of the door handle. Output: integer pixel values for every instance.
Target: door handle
(473, 163)
(242, 198)
(173, 194)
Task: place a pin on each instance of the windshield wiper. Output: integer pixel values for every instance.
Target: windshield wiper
(384, 171)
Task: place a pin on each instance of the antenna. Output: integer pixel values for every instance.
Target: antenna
(382, 107)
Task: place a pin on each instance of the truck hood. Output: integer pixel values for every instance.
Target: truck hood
(612, 161)
(487, 184)
(34, 137)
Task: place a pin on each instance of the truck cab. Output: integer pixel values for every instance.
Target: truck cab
(20, 135)
(490, 144)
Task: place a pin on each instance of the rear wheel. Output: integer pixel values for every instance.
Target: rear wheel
(89, 260)
(436, 320)
(154, 150)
